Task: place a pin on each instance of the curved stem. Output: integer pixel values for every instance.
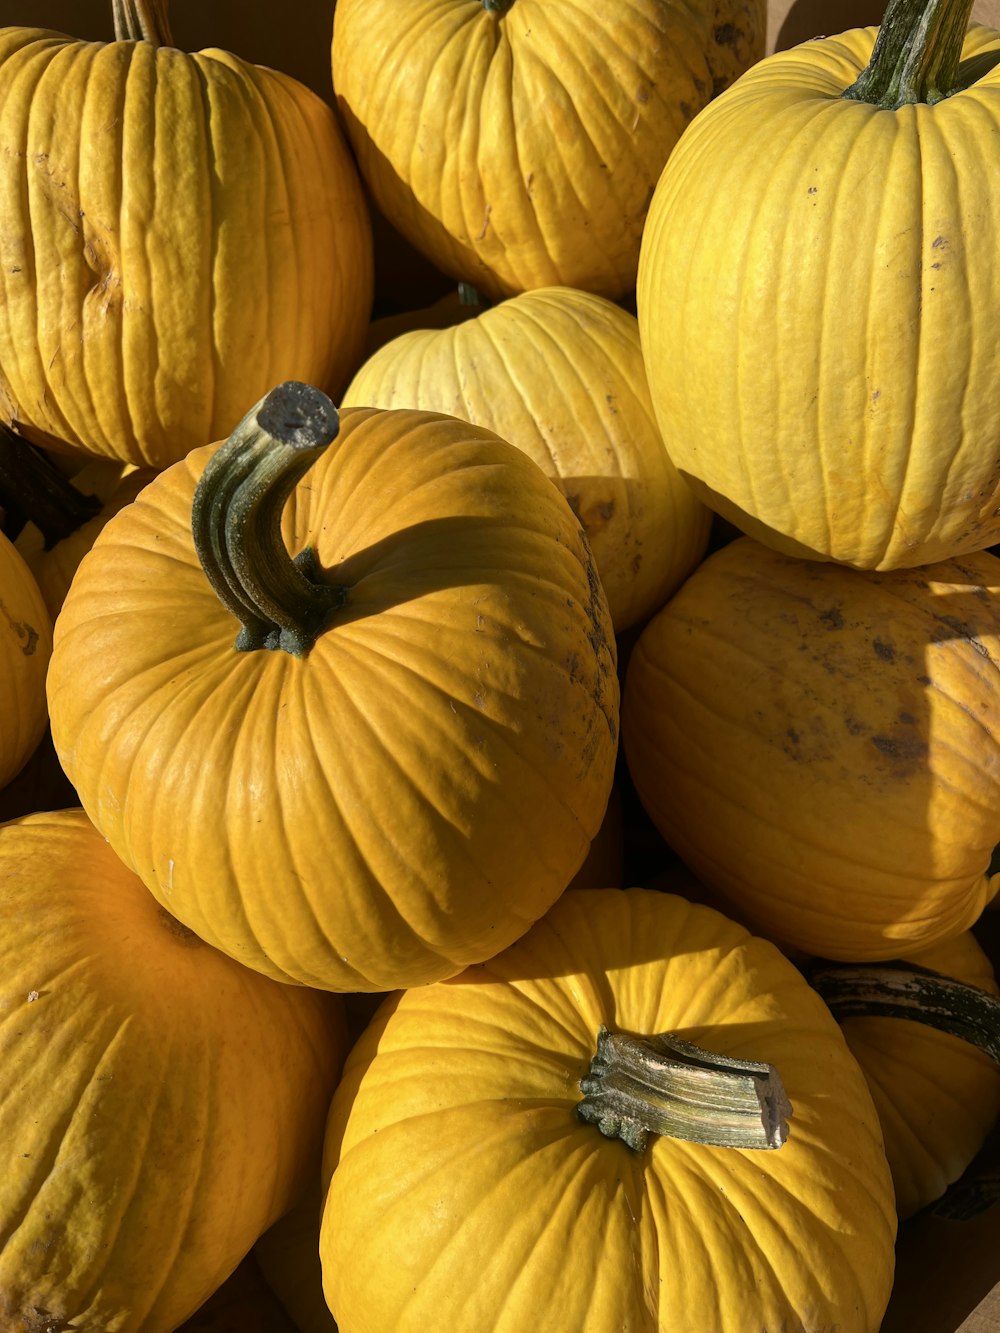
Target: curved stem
(142, 21)
(236, 521)
(499, 7)
(33, 489)
(916, 55)
(904, 990)
(637, 1086)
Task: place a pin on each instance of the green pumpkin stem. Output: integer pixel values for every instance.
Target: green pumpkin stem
(904, 990)
(637, 1086)
(236, 521)
(32, 489)
(916, 56)
(142, 21)
(499, 7)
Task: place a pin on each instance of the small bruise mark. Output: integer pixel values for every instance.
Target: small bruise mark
(832, 618)
(884, 650)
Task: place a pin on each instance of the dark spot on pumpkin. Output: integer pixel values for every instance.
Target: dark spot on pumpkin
(30, 636)
(793, 735)
(855, 727)
(636, 562)
(900, 748)
(642, 94)
(606, 509)
(719, 85)
(726, 34)
(923, 680)
(938, 242)
(908, 718)
(884, 650)
(686, 110)
(180, 932)
(812, 190)
(832, 619)
(574, 503)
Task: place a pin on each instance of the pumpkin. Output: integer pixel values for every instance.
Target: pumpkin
(25, 647)
(149, 197)
(522, 142)
(401, 758)
(54, 564)
(929, 1047)
(288, 1256)
(467, 1173)
(820, 745)
(818, 295)
(559, 373)
(161, 1106)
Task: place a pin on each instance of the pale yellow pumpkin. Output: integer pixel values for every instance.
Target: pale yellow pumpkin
(466, 1193)
(560, 374)
(516, 143)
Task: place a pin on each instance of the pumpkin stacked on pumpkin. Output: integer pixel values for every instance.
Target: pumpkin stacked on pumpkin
(339, 698)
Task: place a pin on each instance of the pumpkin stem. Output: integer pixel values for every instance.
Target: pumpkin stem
(916, 55)
(142, 21)
(637, 1086)
(236, 521)
(33, 489)
(497, 6)
(904, 990)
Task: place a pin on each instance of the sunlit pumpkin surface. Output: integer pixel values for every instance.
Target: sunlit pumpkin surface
(822, 745)
(560, 374)
(522, 139)
(818, 298)
(465, 1194)
(414, 793)
(159, 1104)
(151, 199)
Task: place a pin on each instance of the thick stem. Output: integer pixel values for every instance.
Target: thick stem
(34, 490)
(904, 990)
(637, 1086)
(498, 7)
(142, 21)
(916, 55)
(236, 521)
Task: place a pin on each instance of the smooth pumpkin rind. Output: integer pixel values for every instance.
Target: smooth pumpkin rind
(418, 788)
(458, 1170)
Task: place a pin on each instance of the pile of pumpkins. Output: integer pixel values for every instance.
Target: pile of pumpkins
(349, 667)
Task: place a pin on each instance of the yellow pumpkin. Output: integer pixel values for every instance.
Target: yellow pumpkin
(520, 143)
(25, 647)
(935, 1083)
(818, 297)
(149, 198)
(822, 745)
(54, 565)
(468, 1193)
(559, 373)
(160, 1106)
(401, 759)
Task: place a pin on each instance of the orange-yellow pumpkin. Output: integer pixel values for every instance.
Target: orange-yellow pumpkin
(395, 794)
(821, 745)
(25, 646)
(160, 1105)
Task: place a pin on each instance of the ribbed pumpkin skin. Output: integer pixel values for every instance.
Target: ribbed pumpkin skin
(822, 746)
(937, 1096)
(461, 1179)
(411, 795)
(818, 298)
(161, 1105)
(54, 567)
(25, 648)
(520, 145)
(559, 373)
(149, 198)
